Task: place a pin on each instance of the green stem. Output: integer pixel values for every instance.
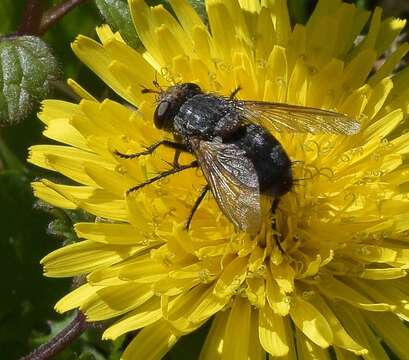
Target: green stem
(53, 15)
(37, 22)
(62, 340)
(10, 160)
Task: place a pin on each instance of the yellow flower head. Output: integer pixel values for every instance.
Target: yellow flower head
(341, 281)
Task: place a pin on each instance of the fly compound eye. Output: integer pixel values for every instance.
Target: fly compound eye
(161, 114)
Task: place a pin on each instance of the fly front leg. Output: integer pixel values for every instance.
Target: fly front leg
(234, 92)
(150, 149)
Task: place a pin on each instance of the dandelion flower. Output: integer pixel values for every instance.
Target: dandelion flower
(341, 284)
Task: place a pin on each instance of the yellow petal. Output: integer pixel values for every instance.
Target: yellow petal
(112, 301)
(237, 327)
(392, 330)
(341, 338)
(339, 290)
(278, 301)
(389, 65)
(151, 343)
(306, 349)
(357, 326)
(75, 298)
(67, 160)
(95, 201)
(256, 351)
(208, 305)
(232, 277)
(44, 192)
(212, 349)
(118, 234)
(79, 90)
(311, 322)
(255, 291)
(98, 60)
(187, 16)
(272, 332)
(84, 257)
(389, 30)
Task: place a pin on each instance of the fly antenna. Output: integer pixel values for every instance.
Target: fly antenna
(146, 90)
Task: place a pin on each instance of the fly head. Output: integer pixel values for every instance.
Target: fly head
(170, 102)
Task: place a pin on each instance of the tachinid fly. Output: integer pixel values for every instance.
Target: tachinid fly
(239, 157)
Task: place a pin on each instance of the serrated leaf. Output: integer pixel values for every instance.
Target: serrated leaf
(61, 229)
(62, 226)
(26, 68)
(116, 14)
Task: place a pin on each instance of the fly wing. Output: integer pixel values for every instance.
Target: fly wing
(233, 181)
(292, 118)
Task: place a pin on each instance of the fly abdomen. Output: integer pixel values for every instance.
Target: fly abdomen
(270, 160)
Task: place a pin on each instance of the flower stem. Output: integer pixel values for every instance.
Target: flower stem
(31, 18)
(37, 22)
(61, 340)
(53, 15)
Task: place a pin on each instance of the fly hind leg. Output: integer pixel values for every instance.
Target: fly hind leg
(274, 207)
(175, 170)
(196, 205)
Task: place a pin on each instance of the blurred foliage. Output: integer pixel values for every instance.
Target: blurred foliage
(117, 14)
(27, 298)
(10, 13)
(28, 233)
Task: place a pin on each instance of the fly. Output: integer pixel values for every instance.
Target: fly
(240, 159)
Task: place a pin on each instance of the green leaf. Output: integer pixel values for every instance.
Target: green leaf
(116, 14)
(27, 67)
(59, 228)
(86, 356)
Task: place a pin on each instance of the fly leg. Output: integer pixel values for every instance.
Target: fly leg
(274, 207)
(176, 158)
(193, 164)
(150, 149)
(196, 205)
(234, 93)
